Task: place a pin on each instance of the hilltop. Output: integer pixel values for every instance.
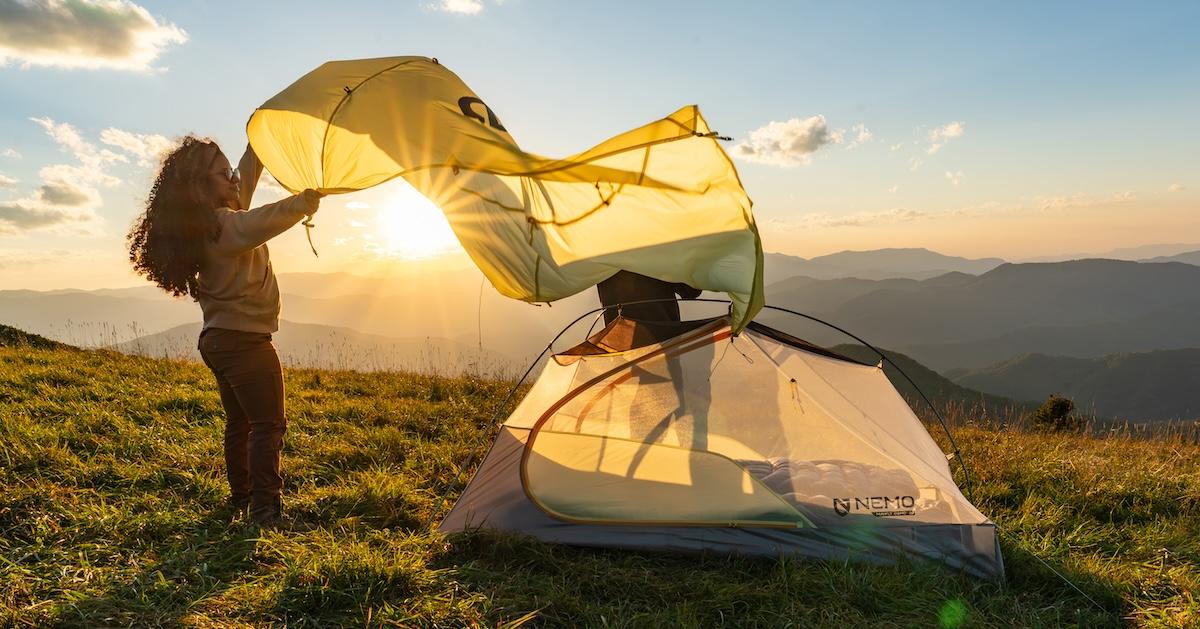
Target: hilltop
(12, 337)
(111, 514)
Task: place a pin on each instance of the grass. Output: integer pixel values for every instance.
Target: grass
(111, 486)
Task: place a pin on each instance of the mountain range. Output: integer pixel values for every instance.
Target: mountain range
(873, 265)
(1083, 308)
(954, 315)
(1157, 385)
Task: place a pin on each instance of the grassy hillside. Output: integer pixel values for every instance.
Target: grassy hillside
(1141, 386)
(12, 337)
(110, 514)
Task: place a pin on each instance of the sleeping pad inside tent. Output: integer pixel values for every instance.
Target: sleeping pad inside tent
(681, 437)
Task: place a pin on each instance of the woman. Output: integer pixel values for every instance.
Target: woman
(196, 238)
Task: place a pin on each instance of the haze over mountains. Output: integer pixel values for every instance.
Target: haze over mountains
(873, 265)
(1083, 308)
(406, 308)
(949, 313)
(333, 347)
(1144, 253)
(1148, 386)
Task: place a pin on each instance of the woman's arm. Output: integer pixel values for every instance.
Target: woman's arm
(243, 231)
(249, 170)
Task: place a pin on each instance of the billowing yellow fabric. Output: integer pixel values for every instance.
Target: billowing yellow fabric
(662, 200)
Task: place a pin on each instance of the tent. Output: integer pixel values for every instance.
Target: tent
(684, 437)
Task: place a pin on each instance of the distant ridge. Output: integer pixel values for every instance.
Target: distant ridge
(912, 263)
(1188, 257)
(1158, 385)
(939, 389)
(1082, 308)
(1129, 254)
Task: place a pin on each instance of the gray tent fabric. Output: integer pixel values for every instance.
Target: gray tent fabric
(754, 445)
(494, 500)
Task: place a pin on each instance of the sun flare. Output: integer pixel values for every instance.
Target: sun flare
(412, 227)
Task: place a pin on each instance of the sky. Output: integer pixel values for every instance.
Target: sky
(1017, 130)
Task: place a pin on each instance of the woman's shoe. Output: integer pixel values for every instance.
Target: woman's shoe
(238, 505)
(267, 514)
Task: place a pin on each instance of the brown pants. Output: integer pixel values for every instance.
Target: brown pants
(251, 384)
(626, 286)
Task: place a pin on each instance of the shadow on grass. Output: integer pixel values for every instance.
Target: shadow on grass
(1047, 578)
(198, 563)
(577, 586)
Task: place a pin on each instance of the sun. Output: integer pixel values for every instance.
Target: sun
(412, 227)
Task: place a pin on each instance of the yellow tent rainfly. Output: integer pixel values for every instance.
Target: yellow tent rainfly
(663, 200)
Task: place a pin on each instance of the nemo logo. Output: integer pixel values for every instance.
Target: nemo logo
(467, 105)
(879, 506)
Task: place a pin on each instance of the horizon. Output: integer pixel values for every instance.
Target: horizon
(459, 263)
(1015, 133)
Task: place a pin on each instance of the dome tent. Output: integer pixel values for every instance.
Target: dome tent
(682, 437)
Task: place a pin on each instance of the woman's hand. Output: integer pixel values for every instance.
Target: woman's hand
(312, 200)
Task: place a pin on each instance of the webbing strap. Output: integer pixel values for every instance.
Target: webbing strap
(308, 227)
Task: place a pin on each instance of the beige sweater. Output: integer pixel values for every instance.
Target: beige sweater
(237, 285)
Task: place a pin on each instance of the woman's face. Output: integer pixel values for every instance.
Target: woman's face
(222, 182)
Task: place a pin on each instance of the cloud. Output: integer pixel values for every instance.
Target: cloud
(940, 136)
(23, 259)
(895, 147)
(8, 182)
(90, 34)
(147, 148)
(64, 194)
(1176, 187)
(1080, 200)
(954, 177)
(893, 189)
(915, 163)
(358, 205)
(10, 152)
(91, 160)
(1063, 202)
(66, 199)
(17, 217)
(462, 7)
(862, 135)
(861, 219)
(789, 143)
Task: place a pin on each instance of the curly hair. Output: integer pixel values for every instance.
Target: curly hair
(166, 242)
